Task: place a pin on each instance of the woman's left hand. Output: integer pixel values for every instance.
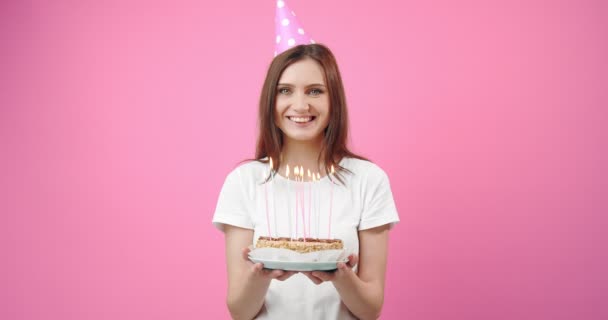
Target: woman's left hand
(344, 273)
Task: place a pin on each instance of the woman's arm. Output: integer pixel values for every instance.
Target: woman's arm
(247, 282)
(362, 292)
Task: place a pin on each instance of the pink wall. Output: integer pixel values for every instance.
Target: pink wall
(120, 119)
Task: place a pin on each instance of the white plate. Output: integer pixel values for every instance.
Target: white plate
(298, 266)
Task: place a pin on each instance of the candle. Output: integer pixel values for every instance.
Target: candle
(309, 201)
(266, 198)
(331, 198)
(303, 203)
(288, 200)
(313, 205)
(274, 196)
(318, 208)
(296, 171)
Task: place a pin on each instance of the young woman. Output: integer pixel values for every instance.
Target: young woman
(303, 122)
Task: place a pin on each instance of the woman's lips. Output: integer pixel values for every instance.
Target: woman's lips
(301, 121)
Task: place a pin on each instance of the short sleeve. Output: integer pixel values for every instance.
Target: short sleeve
(233, 203)
(378, 203)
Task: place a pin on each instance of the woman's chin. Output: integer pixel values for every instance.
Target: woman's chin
(303, 137)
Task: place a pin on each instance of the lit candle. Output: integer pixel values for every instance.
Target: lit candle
(303, 206)
(288, 200)
(264, 176)
(310, 180)
(274, 195)
(318, 206)
(296, 171)
(331, 199)
(313, 205)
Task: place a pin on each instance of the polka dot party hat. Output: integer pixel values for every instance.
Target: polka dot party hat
(289, 32)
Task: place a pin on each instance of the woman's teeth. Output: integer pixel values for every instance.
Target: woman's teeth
(301, 119)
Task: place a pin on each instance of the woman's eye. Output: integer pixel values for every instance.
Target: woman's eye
(284, 91)
(315, 92)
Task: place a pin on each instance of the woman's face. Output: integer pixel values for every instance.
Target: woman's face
(302, 102)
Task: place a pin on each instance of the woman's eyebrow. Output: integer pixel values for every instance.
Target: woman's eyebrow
(308, 86)
(315, 85)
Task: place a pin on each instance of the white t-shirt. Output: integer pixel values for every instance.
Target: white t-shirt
(364, 202)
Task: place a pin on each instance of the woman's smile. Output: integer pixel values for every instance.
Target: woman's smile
(301, 121)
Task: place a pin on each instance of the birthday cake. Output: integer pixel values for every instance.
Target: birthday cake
(300, 245)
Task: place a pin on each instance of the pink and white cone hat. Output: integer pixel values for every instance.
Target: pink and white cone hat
(289, 32)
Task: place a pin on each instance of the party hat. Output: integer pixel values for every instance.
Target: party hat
(289, 32)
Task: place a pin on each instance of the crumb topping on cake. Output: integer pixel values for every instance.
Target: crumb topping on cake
(301, 245)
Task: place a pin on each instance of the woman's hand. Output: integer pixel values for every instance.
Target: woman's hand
(257, 271)
(343, 274)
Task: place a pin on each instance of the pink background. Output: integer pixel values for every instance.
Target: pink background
(120, 119)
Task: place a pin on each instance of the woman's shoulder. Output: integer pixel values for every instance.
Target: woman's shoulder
(250, 165)
(248, 169)
(362, 167)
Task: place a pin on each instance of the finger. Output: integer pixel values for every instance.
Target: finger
(312, 278)
(276, 273)
(286, 275)
(245, 253)
(353, 259)
(344, 266)
(272, 273)
(344, 270)
(325, 276)
(257, 268)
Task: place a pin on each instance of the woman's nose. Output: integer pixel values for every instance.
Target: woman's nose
(300, 103)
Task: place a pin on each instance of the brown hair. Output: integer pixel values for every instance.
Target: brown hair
(270, 138)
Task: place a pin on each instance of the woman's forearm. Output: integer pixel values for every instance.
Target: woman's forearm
(246, 297)
(363, 299)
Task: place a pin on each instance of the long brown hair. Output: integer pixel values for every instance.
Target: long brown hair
(270, 138)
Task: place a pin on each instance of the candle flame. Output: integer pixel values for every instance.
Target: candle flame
(332, 169)
(318, 176)
(308, 173)
(287, 171)
(296, 171)
(301, 172)
(271, 166)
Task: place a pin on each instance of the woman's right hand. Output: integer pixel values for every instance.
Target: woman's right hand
(248, 282)
(257, 271)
